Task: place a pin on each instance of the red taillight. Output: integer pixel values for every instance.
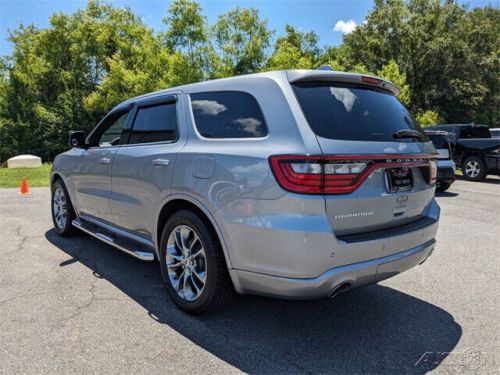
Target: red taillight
(299, 175)
(339, 174)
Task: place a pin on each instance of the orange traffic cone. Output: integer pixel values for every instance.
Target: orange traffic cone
(24, 187)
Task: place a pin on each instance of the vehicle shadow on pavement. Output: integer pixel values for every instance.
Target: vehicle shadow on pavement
(446, 194)
(374, 329)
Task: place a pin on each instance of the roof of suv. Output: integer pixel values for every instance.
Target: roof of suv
(280, 75)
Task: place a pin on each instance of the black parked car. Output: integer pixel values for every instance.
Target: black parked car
(473, 149)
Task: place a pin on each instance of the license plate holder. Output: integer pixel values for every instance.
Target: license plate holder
(399, 179)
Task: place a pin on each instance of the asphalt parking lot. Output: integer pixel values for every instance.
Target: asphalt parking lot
(77, 305)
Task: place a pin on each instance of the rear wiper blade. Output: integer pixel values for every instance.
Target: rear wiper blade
(408, 133)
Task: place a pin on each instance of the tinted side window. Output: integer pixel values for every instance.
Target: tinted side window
(111, 136)
(228, 114)
(475, 132)
(154, 124)
(465, 133)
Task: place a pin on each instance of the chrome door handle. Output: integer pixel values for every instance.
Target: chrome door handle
(161, 162)
(104, 160)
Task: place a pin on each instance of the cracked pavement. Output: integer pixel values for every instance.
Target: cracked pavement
(75, 305)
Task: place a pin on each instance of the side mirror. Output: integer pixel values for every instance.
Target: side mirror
(77, 139)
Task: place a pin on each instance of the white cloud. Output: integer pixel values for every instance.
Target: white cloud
(345, 27)
(345, 96)
(249, 124)
(209, 107)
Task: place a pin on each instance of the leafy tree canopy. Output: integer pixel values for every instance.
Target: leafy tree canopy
(443, 56)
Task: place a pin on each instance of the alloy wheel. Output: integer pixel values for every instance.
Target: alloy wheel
(472, 169)
(186, 262)
(60, 208)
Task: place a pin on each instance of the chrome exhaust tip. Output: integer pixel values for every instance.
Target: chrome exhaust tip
(340, 289)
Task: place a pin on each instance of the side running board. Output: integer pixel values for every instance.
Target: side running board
(121, 244)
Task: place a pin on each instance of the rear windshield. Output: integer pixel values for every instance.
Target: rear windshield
(438, 140)
(353, 113)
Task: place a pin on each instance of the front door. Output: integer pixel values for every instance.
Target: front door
(92, 179)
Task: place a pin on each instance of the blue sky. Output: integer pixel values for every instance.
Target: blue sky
(329, 19)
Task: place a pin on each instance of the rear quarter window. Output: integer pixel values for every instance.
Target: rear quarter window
(228, 114)
(351, 112)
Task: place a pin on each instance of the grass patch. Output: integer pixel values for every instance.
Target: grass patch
(36, 176)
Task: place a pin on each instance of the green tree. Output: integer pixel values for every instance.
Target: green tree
(295, 50)
(448, 54)
(378, 40)
(444, 57)
(428, 118)
(242, 39)
(68, 75)
(392, 73)
(187, 32)
(4, 81)
(482, 31)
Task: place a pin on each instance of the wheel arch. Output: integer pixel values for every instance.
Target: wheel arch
(59, 176)
(469, 154)
(56, 176)
(181, 201)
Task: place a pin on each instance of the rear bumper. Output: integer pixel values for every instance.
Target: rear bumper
(353, 275)
(299, 243)
(446, 171)
(446, 175)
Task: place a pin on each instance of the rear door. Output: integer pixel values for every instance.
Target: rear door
(376, 176)
(142, 168)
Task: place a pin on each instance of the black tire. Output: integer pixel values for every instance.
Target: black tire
(474, 169)
(218, 288)
(442, 187)
(67, 229)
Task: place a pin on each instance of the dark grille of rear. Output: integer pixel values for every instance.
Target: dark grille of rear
(394, 231)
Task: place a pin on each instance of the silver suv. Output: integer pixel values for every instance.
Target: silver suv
(293, 184)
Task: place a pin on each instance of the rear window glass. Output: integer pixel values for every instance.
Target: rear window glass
(228, 114)
(438, 140)
(155, 124)
(354, 113)
(475, 132)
